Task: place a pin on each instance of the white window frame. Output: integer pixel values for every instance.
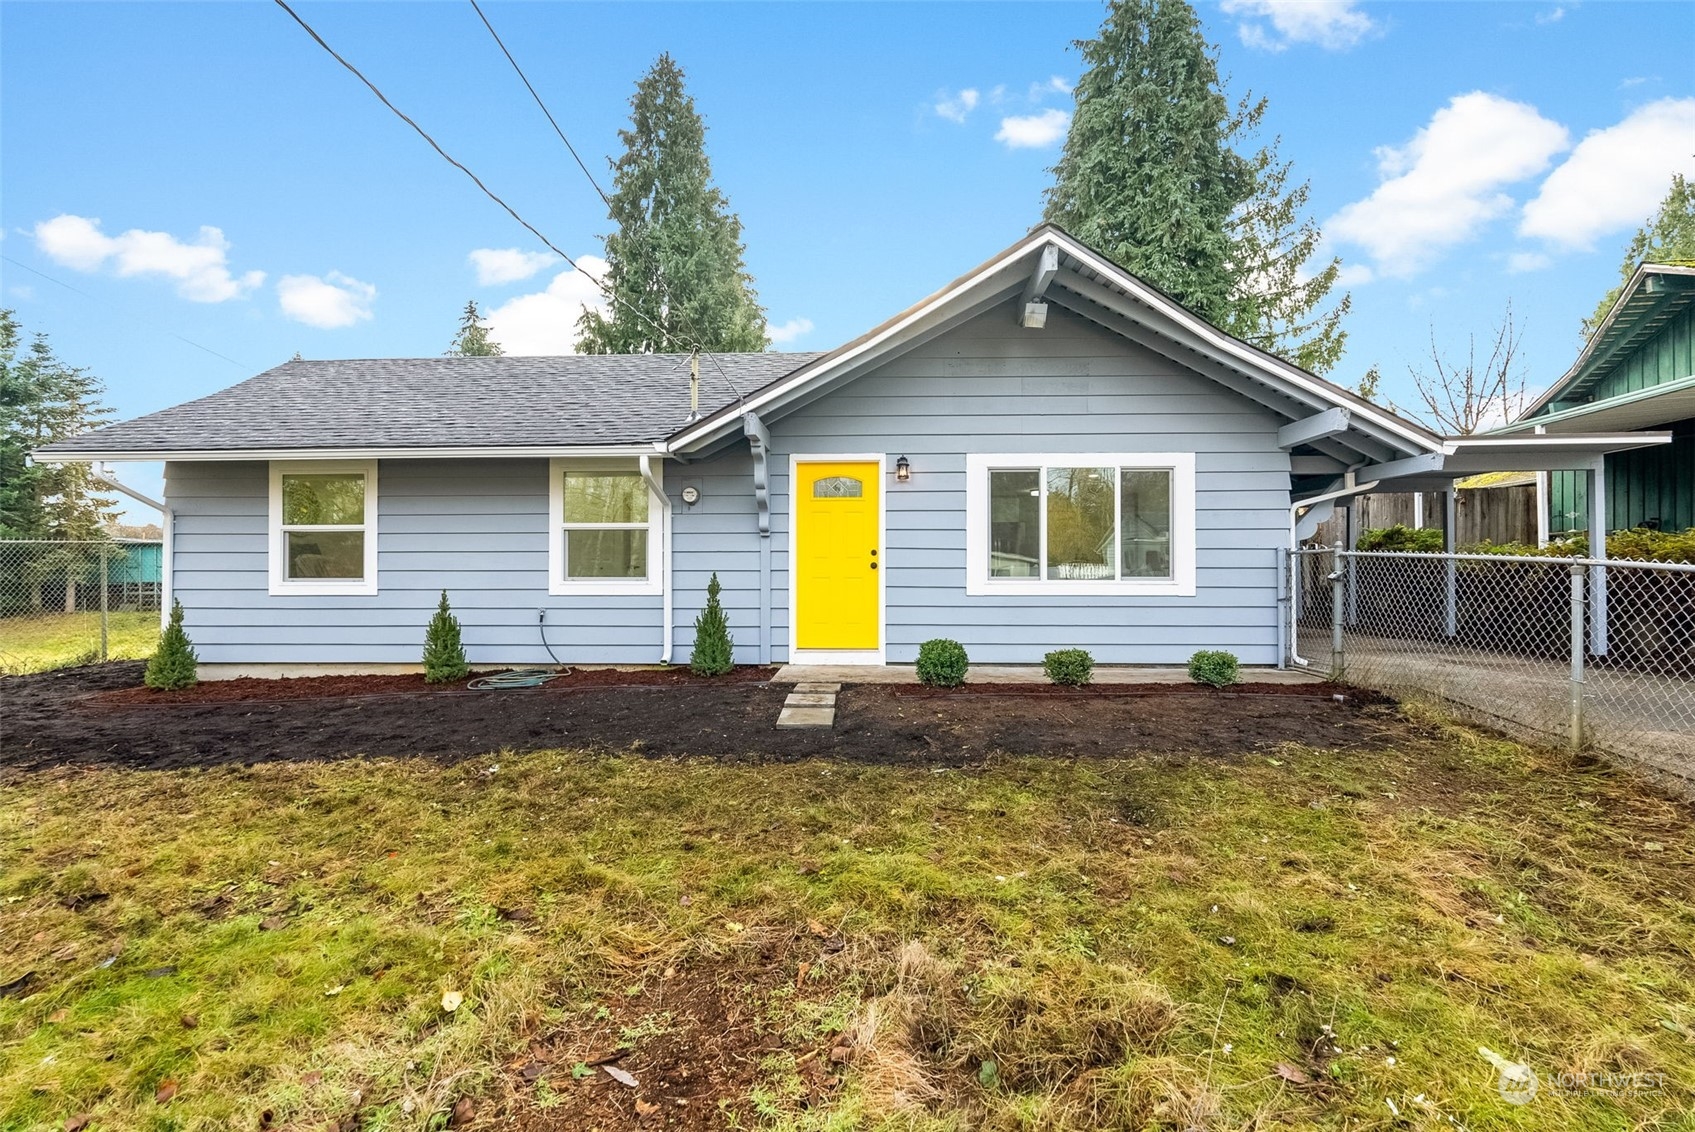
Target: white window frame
(1181, 465)
(284, 586)
(558, 585)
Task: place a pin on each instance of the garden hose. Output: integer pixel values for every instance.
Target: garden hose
(517, 678)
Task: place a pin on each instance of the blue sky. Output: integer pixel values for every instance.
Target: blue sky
(204, 172)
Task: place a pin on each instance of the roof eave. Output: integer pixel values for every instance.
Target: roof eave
(48, 455)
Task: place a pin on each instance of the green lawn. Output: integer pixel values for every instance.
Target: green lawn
(58, 640)
(1309, 939)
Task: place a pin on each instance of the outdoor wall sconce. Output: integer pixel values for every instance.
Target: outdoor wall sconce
(903, 469)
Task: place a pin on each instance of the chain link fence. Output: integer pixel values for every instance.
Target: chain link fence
(64, 603)
(1565, 650)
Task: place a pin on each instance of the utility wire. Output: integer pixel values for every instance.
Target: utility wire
(132, 318)
(492, 195)
(550, 119)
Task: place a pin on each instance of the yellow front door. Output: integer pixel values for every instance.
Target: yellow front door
(836, 555)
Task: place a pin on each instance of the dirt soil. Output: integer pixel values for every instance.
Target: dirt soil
(63, 718)
(693, 1040)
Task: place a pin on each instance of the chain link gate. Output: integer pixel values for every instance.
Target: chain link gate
(1573, 650)
(64, 602)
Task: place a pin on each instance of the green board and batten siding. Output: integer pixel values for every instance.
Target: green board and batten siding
(1647, 484)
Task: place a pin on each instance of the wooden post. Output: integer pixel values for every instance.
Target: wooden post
(1451, 579)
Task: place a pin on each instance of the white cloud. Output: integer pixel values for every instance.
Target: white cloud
(1520, 262)
(957, 107)
(1033, 131)
(1335, 25)
(545, 323)
(1552, 16)
(1441, 187)
(1354, 274)
(1054, 85)
(790, 331)
(507, 265)
(328, 302)
(200, 269)
(1615, 177)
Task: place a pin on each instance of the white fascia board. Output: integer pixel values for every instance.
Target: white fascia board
(237, 454)
(1556, 442)
(1244, 354)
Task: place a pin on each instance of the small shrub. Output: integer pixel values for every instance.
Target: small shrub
(942, 663)
(714, 649)
(444, 651)
(1638, 544)
(1071, 667)
(174, 664)
(1402, 539)
(1213, 667)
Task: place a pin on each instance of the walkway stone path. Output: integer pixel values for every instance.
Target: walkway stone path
(811, 704)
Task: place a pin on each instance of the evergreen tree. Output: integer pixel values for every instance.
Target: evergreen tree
(1275, 303)
(675, 263)
(1667, 238)
(714, 650)
(472, 340)
(174, 664)
(1146, 177)
(43, 400)
(444, 650)
(1156, 174)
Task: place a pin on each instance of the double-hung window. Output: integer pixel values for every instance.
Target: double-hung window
(1085, 523)
(323, 527)
(605, 536)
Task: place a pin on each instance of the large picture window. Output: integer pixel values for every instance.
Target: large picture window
(1083, 524)
(604, 537)
(323, 527)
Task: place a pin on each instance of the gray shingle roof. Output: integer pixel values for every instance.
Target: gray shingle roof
(447, 402)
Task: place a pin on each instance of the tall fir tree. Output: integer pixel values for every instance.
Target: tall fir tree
(1277, 301)
(1146, 177)
(1669, 237)
(472, 339)
(42, 400)
(675, 263)
(1161, 174)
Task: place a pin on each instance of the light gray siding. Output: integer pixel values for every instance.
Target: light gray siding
(479, 529)
(992, 386)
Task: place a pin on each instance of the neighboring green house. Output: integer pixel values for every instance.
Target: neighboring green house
(1636, 373)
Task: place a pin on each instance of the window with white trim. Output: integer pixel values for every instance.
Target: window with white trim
(605, 531)
(1080, 523)
(323, 527)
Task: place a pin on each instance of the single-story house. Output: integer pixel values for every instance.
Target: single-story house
(1046, 452)
(1636, 372)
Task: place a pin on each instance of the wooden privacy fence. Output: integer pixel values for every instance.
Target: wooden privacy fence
(1506, 513)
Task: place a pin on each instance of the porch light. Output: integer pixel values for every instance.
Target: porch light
(903, 469)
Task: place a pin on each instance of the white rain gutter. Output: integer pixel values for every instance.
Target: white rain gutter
(646, 463)
(1294, 590)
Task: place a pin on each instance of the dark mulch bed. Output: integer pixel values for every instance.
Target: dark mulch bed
(59, 719)
(320, 687)
(1322, 690)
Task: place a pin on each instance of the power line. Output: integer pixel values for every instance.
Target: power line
(132, 318)
(550, 119)
(694, 347)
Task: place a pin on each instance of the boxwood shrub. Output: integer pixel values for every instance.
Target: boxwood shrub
(942, 663)
(1213, 667)
(1071, 667)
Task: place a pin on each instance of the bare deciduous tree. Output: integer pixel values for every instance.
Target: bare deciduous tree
(1463, 397)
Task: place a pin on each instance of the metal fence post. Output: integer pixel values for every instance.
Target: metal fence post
(105, 578)
(1337, 599)
(1575, 735)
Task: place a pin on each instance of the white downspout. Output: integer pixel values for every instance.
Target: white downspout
(1294, 545)
(665, 553)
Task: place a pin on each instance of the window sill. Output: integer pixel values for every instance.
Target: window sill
(609, 587)
(350, 588)
(1034, 587)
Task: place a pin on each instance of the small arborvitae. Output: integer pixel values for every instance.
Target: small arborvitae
(174, 663)
(444, 652)
(713, 648)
